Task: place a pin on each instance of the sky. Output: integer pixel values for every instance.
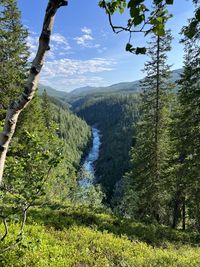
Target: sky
(85, 51)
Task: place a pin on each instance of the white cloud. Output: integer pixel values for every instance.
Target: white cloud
(65, 74)
(67, 67)
(58, 44)
(83, 40)
(60, 40)
(32, 43)
(86, 39)
(66, 84)
(86, 30)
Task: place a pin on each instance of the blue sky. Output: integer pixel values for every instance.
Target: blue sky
(85, 51)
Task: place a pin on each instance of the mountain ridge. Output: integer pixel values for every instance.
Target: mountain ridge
(121, 87)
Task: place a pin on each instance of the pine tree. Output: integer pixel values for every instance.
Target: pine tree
(146, 181)
(187, 133)
(13, 53)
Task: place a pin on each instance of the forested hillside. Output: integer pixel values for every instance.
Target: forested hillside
(52, 145)
(115, 116)
(75, 137)
(103, 176)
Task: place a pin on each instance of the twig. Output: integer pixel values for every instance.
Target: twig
(6, 229)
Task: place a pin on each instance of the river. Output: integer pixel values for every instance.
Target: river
(88, 168)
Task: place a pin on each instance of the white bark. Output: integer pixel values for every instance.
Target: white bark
(17, 106)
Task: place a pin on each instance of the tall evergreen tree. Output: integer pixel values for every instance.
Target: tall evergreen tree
(146, 181)
(13, 53)
(187, 132)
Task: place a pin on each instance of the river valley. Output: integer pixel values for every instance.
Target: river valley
(88, 176)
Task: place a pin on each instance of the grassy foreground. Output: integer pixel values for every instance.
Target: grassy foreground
(80, 238)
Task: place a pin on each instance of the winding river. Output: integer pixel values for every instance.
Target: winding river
(88, 168)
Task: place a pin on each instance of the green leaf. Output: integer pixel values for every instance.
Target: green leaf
(128, 47)
(169, 2)
(131, 3)
(140, 50)
(154, 21)
(157, 2)
(159, 19)
(197, 15)
(121, 10)
(138, 20)
(134, 12)
(159, 29)
(143, 8)
(102, 4)
(138, 2)
(130, 22)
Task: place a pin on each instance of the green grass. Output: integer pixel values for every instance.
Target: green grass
(77, 237)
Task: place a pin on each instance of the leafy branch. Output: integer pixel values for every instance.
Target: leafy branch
(141, 20)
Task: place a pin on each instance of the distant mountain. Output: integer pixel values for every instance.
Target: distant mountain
(80, 94)
(51, 91)
(176, 74)
(131, 87)
(81, 90)
(124, 86)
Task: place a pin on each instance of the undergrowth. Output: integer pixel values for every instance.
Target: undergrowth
(79, 237)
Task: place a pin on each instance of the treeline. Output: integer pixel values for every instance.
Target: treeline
(163, 184)
(115, 116)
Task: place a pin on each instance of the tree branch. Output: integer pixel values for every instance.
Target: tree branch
(118, 29)
(6, 229)
(29, 91)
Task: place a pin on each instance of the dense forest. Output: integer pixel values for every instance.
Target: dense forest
(115, 116)
(137, 201)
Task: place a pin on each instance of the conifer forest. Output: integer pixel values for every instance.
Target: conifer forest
(100, 133)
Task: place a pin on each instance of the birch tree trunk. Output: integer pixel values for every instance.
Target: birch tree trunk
(18, 105)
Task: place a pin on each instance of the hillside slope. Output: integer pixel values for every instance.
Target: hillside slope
(133, 87)
(78, 237)
(115, 117)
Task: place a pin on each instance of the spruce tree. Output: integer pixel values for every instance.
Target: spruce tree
(13, 53)
(146, 181)
(187, 132)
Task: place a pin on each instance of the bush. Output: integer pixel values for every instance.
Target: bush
(78, 237)
(82, 246)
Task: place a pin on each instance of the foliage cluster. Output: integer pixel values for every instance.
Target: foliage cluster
(13, 54)
(144, 17)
